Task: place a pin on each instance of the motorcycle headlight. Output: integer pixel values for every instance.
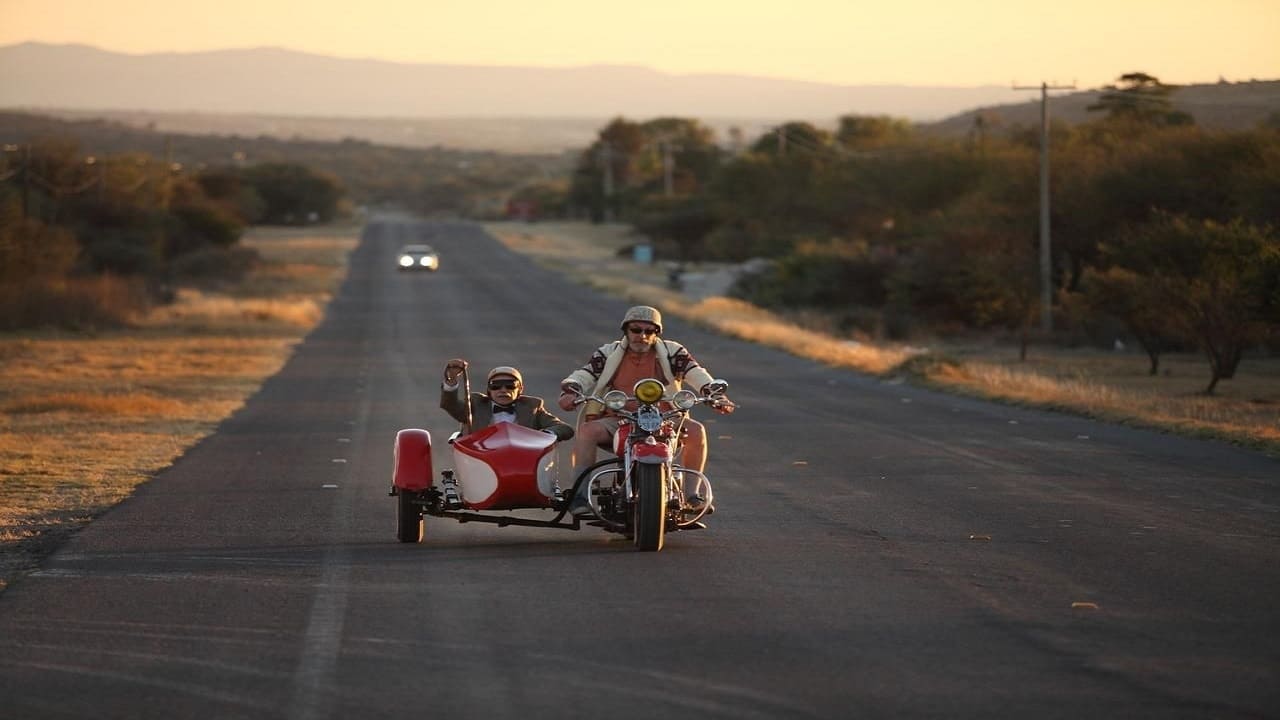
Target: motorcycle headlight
(684, 399)
(649, 391)
(615, 400)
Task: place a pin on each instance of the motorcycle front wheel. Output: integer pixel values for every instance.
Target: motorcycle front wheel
(649, 507)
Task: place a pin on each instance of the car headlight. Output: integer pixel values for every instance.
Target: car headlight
(424, 261)
(615, 400)
(406, 261)
(649, 391)
(684, 399)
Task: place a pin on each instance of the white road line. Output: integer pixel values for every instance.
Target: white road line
(312, 681)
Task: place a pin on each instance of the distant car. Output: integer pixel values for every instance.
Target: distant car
(418, 257)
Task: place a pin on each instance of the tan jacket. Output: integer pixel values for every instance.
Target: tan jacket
(677, 363)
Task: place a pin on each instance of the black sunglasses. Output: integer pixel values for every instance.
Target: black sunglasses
(642, 331)
(503, 385)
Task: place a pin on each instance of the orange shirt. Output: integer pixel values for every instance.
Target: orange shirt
(634, 368)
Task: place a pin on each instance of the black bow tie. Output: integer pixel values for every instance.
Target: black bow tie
(504, 408)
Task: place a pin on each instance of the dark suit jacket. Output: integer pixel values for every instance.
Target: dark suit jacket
(530, 412)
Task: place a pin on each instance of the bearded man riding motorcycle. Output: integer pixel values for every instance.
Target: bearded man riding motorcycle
(641, 353)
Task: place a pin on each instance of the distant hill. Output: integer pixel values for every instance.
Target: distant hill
(509, 135)
(1223, 106)
(289, 95)
(276, 82)
(428, 180)
(500, 134)
(1228, 106)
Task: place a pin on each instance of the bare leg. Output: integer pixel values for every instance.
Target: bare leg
(694, 456)
(695, 446)
(585, 443)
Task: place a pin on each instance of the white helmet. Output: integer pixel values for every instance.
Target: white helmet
(642, 313)
(506, 370)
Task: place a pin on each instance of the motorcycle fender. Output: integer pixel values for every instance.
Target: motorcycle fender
(651, 454)
(412, 460)
(620, 439)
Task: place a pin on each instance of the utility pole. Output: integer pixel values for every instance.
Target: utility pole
(25, 158)
(668, 168)
(1046, 256)
(26, 181)
(99, 168)
(607, 150)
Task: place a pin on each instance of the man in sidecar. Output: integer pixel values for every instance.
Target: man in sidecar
(501, 460)
(502, 401)
(640, 353)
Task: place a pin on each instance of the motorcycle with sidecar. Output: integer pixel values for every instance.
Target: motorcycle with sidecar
(641, 493)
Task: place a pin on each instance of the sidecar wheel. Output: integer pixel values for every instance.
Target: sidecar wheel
(408, 517)
(649, 512)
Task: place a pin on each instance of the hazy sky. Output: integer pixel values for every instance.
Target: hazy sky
(916, 42)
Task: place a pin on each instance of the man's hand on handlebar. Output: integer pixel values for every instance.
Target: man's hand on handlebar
(723, 405)
(570, 397)
(719, 402)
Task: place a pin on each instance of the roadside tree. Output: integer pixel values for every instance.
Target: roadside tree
(1137, 302)
(294, 194)
(864, 132)
(1218, 283)
(1140, 100)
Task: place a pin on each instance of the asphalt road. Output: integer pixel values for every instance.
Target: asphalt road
(878, 550)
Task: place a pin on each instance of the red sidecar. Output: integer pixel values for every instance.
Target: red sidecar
(500, 467)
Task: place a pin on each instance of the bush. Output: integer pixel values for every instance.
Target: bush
(31, 249)
(834, 275)
(215, 264)
(72, 303)
(203, 224)
(122, 252)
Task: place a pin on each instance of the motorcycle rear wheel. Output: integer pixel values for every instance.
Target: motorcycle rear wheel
(408, 517)
(649, 508)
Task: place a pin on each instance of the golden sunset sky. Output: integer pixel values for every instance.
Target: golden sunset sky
(912, 42)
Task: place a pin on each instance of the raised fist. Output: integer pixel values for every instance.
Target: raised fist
(453, 369)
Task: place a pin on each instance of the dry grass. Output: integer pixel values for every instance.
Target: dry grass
(135, 404)
(85, 419)
(1117, 387)
(196, 312)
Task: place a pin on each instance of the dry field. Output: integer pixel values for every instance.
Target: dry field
(84, 419)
